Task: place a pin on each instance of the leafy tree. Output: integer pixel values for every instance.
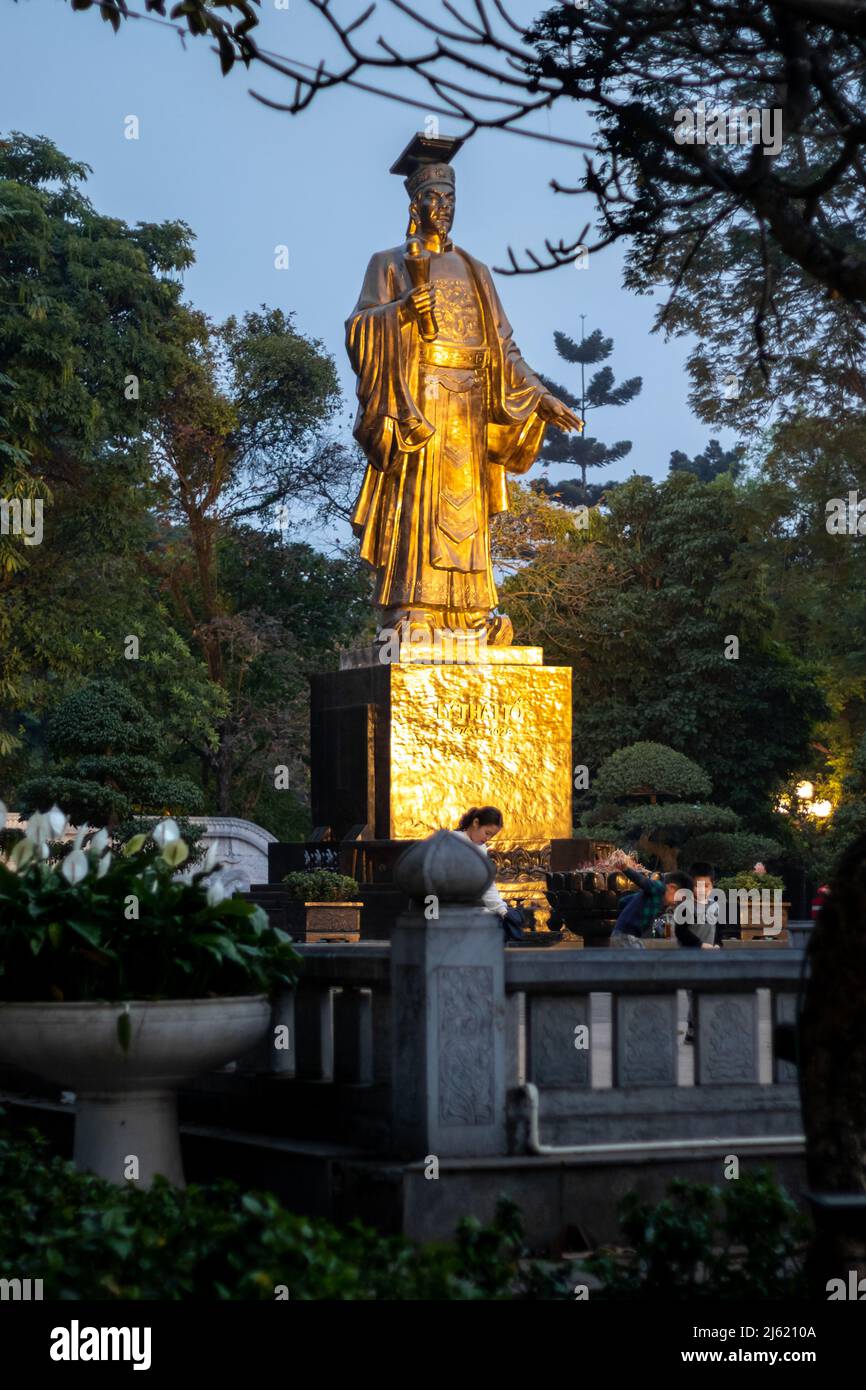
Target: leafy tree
(239, 436)
(102, 743)
(802, 59)
(642, 604)
(817, 580)
(91, 331)
(159, 438)
(710, 464)
(579, 449)
(288, 610)
(848, 821)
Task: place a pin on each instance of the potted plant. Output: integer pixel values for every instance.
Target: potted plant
(322, 906)
(752, 921)
(121, 981)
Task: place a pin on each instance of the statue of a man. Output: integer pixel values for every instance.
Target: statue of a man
(447, 406)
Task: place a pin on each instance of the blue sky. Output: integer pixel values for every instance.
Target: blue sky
(248, 179)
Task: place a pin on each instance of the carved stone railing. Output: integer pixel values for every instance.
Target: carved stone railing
(598, 1034)
(438, 1034)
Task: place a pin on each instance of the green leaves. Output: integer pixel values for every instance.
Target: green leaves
(76, 940)
(176, 853)
(91, 1240)
(654, 766)
(745, 1241)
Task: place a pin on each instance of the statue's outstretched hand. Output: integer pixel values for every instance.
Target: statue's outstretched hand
(557, 413)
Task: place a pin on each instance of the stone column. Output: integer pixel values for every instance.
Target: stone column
(448, 1039)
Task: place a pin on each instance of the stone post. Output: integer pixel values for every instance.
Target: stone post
(448, 1043)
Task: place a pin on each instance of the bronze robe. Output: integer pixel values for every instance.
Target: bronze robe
(414, 531)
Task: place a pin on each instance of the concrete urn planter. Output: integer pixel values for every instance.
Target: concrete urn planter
(126, 1096)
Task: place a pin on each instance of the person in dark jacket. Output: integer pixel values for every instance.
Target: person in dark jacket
(702, 931)
(641, 909)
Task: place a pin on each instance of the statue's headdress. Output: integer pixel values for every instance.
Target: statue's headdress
(427, 159)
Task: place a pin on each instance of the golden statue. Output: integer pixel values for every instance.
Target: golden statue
(446, 407)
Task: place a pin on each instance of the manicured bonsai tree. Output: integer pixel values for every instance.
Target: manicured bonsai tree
(105, 764)
(653, 797)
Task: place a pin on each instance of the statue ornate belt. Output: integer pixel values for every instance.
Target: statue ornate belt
(452, 355)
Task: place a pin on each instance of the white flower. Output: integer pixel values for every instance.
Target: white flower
(102, 866)
(38, 828)
(165, 832)
(75, 866)
(79, 838)
(22, 854)
(56, 820)
(216, 891)
(210, 858)
(99, 841)
(2, 815)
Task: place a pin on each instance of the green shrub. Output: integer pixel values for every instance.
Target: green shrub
(728, 849)
(751, 880)
(746, 1240)
(651, 766)
(321, 886)
(87, 1239)
(94, 925)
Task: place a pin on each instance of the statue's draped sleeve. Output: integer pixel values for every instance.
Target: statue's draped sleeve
(389, 421)
(389, 424)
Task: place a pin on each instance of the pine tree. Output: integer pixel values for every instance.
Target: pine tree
(710, 464)
(584, 450)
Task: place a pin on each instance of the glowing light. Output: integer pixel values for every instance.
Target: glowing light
(820, 809)
(805, 791)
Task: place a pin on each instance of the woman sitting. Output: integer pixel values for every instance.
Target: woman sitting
(478, 826)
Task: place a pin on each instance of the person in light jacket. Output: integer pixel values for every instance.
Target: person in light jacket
(478, 826)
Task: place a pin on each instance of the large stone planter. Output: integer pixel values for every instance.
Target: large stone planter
(126, 1099)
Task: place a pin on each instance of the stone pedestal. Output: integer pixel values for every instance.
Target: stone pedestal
(448, 1041)
(402, 746)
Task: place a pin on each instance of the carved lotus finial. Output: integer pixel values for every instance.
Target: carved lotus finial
(446, 866)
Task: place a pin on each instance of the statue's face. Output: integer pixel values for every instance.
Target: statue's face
(435, 208)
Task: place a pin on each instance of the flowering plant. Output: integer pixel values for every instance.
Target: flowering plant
(94, 925)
